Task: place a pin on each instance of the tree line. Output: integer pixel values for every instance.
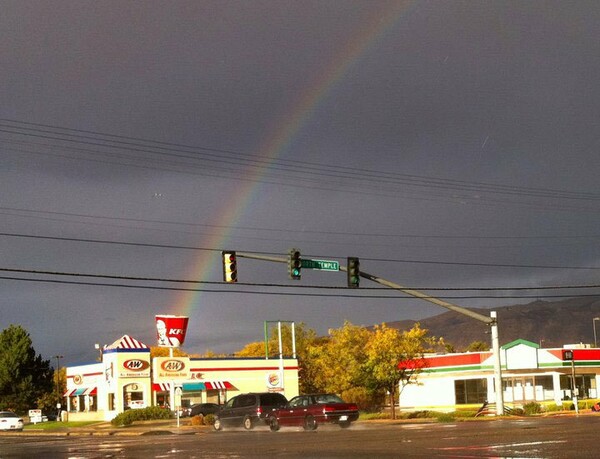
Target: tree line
(362, 365)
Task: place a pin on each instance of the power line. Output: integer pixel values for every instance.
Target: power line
(307, 230)
(316, 184)
(306, 169)
(286, 286)
(387, 260)
(251, 292)
(82, 220)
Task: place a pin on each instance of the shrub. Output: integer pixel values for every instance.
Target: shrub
(464, 414)
(422, 414)
(551, 407)
(588, 404)
(532, 408)
(380, 415)
(445, 417)
(143, 414)
(123, 419)
(209, 419)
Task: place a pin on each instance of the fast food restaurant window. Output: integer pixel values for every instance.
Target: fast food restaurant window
(470, 391)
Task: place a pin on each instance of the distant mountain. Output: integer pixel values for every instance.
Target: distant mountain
(551, 324)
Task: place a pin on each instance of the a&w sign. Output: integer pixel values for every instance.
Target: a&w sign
(166, 369)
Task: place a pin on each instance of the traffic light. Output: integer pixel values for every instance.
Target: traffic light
(294, 264)
(353, 270)
(229, 266)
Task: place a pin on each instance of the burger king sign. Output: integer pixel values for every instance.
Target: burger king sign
(274, 380)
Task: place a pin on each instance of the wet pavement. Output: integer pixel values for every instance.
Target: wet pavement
(185, 427)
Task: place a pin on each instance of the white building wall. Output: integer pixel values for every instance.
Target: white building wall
(430, 393)
(491, 389)
(521, 357)
(557, 390)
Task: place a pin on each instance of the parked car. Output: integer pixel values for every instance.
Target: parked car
(203, 409)
(10, 421)
(309, 411)
(248, 410)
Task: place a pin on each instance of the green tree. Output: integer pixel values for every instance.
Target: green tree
(478, 346)
(48, 401)
(254, 349)
(158, 351)
(24, 376)
(392, 357)
(337, 363)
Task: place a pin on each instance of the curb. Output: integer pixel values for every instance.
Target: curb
(81, 432)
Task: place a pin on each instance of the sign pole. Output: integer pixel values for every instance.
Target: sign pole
(172, 391)
(575, 394)
(281, 357)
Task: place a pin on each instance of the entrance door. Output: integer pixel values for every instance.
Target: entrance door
(133, 397)
(520, 389)
(523, 389)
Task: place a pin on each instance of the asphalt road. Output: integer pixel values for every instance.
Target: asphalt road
(553, 437)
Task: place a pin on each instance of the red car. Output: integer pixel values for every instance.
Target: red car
(309, 411)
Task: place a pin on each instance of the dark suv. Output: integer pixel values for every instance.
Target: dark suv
(248, 409)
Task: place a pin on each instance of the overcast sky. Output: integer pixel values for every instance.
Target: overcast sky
(449, 145)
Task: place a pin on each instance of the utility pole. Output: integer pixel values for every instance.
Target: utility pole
(58, 397)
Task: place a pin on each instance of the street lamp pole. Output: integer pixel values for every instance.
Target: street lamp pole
(594, 324)
(58, 397)
(574, 395)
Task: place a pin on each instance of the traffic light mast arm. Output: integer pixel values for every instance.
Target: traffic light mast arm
(389, 284)
(261, 257)
(423, 296)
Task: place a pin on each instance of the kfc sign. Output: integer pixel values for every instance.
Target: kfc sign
(170, 330)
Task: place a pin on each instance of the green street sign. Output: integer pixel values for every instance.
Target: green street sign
(323, 265)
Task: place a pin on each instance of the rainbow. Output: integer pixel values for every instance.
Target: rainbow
(277, 143)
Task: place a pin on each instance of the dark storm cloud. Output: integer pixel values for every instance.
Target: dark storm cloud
(457, 148)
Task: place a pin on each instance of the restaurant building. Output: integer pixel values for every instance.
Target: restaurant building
(127, 378)
(529, 374)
